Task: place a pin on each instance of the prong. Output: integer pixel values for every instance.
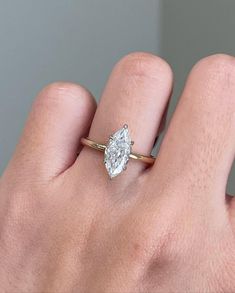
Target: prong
(125, 126)
(124, 169)
(132, 142)
(111, 137)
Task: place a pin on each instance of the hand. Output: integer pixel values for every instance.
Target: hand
(65, 227)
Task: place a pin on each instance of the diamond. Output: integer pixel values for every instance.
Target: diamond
(117, 151)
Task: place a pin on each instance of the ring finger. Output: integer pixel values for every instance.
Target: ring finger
(136, 94)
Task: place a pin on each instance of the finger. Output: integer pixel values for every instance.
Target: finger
(199, 146)
(136, 94)
(60, 116)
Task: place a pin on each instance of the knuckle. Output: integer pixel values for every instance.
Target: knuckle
(211, 81)
(145, 243)
(141, 64)
(218, 68)
(217, 60)
(60, 93)
(156, 248)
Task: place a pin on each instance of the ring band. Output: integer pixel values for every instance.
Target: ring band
(117, 151)
(101, 147)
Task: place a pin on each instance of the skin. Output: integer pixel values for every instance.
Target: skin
(65, 227)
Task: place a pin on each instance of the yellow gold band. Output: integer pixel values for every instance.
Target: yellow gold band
(101, 147)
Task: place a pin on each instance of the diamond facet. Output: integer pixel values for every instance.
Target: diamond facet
(117, 152)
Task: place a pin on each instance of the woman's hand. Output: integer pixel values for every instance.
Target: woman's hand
(65, 227)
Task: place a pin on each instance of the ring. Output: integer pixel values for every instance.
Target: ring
(117, 151)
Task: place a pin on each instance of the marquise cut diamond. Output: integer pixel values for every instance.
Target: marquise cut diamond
(117, 152)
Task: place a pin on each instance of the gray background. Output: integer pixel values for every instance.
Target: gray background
(80, 41)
